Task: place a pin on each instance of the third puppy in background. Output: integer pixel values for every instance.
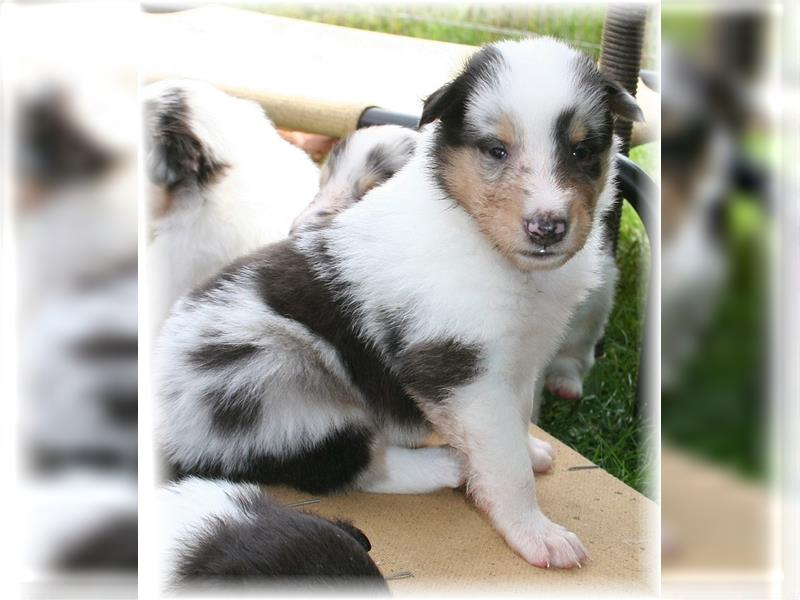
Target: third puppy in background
(357, 164)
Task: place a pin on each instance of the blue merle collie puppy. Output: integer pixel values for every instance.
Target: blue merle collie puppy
(323, 361)
(219, 533)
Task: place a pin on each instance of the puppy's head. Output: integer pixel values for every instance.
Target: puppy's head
(358, 163)
(524, 144)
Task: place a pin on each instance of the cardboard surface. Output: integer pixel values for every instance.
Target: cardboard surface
(440, 542)
(311, 76)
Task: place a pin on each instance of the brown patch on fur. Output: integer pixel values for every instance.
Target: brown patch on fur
(498, 202)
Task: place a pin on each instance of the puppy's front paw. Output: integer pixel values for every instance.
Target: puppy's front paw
(546, 544)
(542, 455)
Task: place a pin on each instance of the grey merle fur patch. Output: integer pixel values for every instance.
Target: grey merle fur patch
(433, 369)
(217, 355)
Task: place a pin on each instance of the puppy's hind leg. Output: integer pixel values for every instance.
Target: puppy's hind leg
(395, 470)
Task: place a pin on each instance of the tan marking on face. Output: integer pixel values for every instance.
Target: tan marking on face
(577, 131)
(496, 198)
(505, 130)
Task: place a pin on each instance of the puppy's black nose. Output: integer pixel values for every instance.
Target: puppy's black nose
(545, 229)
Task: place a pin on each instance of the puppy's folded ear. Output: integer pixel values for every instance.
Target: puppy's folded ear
(434, 105)
(622, 104)
(449, 101)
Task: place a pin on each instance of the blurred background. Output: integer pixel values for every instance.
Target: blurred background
(719, 247)
(70, 250)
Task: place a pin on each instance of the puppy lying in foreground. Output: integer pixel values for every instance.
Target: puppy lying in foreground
(323, 361)
(221, 533)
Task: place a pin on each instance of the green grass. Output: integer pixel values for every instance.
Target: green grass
(602, 426)
(468, 24)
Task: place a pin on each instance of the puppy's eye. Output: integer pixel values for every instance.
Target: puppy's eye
(582, 153)
(498, 152)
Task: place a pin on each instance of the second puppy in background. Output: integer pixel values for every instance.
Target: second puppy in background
(576, 356)
(223, 183)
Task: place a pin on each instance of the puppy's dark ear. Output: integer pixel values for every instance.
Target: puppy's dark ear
(450, 99)
(355, 533)
(622, 104)
(435, 104)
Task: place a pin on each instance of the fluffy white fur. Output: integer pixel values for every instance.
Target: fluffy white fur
(528, 310)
